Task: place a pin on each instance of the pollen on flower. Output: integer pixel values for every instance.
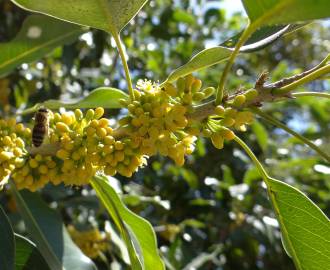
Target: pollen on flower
(81, 144)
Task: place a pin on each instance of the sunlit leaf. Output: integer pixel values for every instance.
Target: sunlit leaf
(180, 15)
(203, 59)
(50, 235)
(215, 55)
(212, 56)
(271, 12)
(105, 97)
(305, 228)
(137, 226)
(38, 36)
(263, 37)
(28, 256)
(7, 243)
(107, 15)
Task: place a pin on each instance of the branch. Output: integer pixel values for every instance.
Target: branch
(306, 79)
(288, 80)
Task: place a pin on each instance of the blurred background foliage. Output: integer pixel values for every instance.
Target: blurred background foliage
(213, 213)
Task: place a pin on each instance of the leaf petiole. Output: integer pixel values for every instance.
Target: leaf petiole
(124, 62)
(277, 123)
(245, 35)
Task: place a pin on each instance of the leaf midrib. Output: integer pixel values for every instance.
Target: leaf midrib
(44, 45)
(283, 225)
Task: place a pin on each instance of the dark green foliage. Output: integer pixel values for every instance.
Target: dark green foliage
(216, 203)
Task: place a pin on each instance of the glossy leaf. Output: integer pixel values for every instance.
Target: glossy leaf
(107, 15)
(111, 206)
(203, 59)
(28, 256)
(271, 12)
(212, 56)
(139, 228)
(7, 243)
(38, 36)
(263, 37)
(105, 97)
(50, 235)
(305, 228)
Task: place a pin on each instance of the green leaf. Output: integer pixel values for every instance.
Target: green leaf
(139, 228)
(105, 97)
(305, 228)
(7, 243)
(263, 37)
(180, 15)
(28, 256)
(203, 59)
(50, 235)
(108, 15)
(39, 35)
(111, 206)
(212, 56)
(271, 12)
(261, 134)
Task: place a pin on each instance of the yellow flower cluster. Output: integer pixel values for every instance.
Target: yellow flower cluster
(188, 90)
(218, 126)
(158, 121)
(12, 147)
(83, 145)
(91, 242)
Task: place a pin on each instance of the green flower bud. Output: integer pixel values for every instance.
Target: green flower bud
(199, 96)
(181, 84)
(227, 122)
(206, 132)
(209, 91)
(196, 86)
(251, 94)
(78, 114)
(89, 115)
(171, 90)
(239, 100)
(219, 110)
(187, 98)
(217, 140)
(189, 80)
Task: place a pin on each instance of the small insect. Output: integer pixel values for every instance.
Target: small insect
(40, 129)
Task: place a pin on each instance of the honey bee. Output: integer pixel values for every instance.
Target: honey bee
(40, 129)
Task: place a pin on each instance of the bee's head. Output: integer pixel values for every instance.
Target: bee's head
(43, 110)
(41, 116)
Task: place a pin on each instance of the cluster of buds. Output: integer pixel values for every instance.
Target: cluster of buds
(219, 124)
(92, 242)
(188, 90)
(13, 138)
(156, 123)
(159, 120)
(81, 146)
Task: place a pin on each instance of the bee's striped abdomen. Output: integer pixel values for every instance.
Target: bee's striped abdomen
(40, 128)
(38, 134)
